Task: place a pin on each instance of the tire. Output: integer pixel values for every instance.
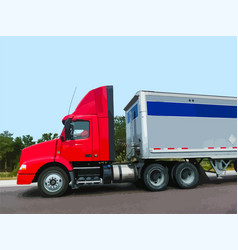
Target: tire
(186, 175)
(53, 182)
(172, 176)
(235, 165)
(156, 177)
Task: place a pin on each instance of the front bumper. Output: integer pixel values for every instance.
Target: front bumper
(23, 179)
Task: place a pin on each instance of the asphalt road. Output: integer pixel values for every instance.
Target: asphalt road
(218, 196)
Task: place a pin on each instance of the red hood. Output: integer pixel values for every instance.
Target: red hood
(40, 150)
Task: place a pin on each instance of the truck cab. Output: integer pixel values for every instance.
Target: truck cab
(86, 142)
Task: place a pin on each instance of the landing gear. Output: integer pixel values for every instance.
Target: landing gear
(53, 182)
(220, 166)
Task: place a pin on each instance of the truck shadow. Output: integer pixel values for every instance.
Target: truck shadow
(216, 180)
(87, 190)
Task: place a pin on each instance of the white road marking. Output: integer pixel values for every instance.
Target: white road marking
(13, 183)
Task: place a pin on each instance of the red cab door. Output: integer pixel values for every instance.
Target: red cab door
(80, 147)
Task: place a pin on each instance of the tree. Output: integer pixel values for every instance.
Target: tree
(19, 145)
(120, 138)
(6, 146)
(6, 134)
(47, 137)
(27, 140)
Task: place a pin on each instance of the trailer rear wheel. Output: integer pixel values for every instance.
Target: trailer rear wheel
(53, 182)
(156, 177)
(186, 175)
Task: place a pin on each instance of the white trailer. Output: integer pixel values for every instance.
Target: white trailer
(175, 126)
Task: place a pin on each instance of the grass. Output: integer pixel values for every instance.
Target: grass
(9, 175)
(7, 178)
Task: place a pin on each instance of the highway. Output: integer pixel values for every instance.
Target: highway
(217, 196)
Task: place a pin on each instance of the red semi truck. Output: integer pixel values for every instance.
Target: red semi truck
(85, 152)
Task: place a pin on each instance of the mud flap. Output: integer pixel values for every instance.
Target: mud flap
(203, 178)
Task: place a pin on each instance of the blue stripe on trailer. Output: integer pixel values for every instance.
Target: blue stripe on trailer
(191, 110)
(134, 112)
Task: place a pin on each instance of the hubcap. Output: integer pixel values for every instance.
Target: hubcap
(187, 175)
(53, 182)
(156, 177)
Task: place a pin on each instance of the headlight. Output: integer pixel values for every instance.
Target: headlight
(23, 167)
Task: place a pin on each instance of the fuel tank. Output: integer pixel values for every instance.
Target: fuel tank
(124, 173)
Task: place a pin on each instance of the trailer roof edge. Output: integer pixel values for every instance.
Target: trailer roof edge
(187, 94)
(136, 96)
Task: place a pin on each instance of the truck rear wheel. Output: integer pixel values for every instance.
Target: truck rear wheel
(172, 178)
(156, 177)
(186, 175)
(53, 182)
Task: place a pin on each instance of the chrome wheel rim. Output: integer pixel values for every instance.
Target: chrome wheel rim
(53, 182)
(187, 175)
(156, 177)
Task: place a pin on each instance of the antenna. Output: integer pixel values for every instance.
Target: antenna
(72, 99)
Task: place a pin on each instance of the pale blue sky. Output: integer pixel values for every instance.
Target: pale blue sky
(38, 74)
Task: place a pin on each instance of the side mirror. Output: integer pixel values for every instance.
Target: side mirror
(62, 138)
(67, 127)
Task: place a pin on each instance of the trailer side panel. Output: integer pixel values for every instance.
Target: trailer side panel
(188, 126)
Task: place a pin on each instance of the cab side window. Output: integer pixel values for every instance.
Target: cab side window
(80, 130)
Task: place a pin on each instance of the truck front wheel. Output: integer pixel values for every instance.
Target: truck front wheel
(186, 175)
(53, 182)
(156, 177)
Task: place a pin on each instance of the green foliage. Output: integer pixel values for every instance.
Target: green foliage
(27, 140)
(14, 172)
(6, 175)
(47, 137)
(19, 145)
(6, 134)
(10, 149)
(6, 144)
(6, 150)
(120, 138)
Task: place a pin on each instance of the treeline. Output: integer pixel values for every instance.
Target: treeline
(10, 147)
